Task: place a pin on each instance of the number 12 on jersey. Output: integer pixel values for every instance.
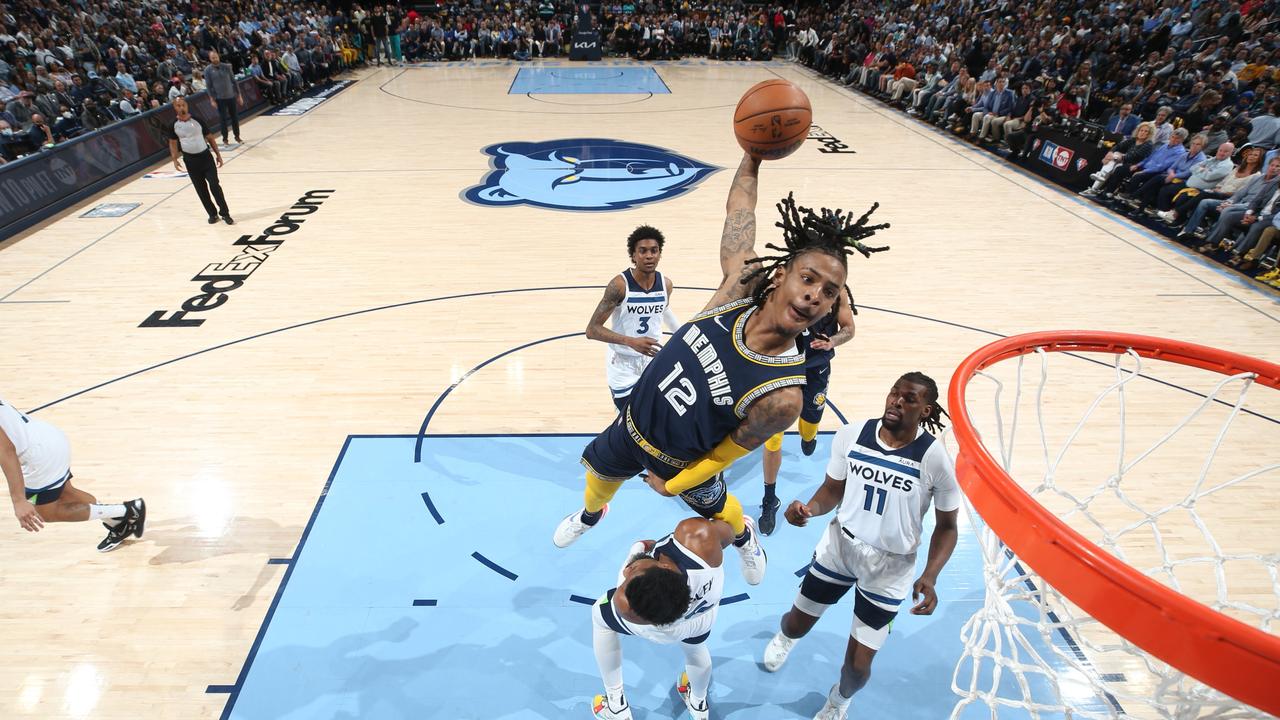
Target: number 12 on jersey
(680, 395)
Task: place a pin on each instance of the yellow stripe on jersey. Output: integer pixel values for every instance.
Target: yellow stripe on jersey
(763, 388)
(650, 447)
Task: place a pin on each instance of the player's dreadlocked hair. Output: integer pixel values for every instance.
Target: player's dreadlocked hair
(644, 232)
(832, 232)
(933, 421)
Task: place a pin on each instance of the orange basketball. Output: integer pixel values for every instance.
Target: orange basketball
(772, 119)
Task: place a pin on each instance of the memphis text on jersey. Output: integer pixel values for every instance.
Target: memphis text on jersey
(717, 378)
(218, 279)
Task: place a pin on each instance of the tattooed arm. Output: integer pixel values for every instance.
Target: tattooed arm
(768, 416)
(614, 293)
(738, 240)
(844, 318)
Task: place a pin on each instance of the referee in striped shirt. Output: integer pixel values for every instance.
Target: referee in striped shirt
(199, 147)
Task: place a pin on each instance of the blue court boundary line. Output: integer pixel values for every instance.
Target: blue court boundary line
(234, 689)
(661, 80)
(494, 566)
(284, 582)
(431, 507)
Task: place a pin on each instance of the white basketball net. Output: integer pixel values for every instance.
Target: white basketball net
(1031, 653)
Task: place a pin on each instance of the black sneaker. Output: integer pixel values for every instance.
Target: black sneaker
(227, 219)
(213, 219)
(769, 515)
(136, 516)
(115, 536)
(808, 446)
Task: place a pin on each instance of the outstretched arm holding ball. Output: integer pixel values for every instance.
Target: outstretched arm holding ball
(738, 239)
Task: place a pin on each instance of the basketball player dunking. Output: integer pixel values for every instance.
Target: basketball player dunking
(730, 379)
(638, 298)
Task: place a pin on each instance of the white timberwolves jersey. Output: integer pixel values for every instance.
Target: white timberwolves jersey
(887, 491)
(43, 450)
(706, 586)
(640, 312)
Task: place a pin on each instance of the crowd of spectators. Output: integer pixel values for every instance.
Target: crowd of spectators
(67, 68)
(1184, 93)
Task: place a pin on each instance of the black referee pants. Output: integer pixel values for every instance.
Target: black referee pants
(203, 172)
(229, 117)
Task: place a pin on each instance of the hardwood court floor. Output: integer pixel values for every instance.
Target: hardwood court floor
(396, 287)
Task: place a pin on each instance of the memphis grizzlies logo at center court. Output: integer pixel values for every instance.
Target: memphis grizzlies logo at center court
(585, 174)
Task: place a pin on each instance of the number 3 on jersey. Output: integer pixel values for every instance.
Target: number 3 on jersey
(644, 325)
(681, 395)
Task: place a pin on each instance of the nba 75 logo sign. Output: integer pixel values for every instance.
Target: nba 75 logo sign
(585, 174)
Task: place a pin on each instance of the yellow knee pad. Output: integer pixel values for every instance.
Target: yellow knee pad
(773, 444)
(732, 514)
(599, 492)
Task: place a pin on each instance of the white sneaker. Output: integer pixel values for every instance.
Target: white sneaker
(753, 558)
(776, 652)
(1168, 216)
(697, 713)
(600, 708)
(830, 710)
(571, 528)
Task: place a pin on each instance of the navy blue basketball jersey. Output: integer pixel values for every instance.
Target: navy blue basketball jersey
(701, 384)
(826, 326)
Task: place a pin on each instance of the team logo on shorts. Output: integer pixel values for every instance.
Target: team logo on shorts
(585, 174)
(820, 399)
(707, 494)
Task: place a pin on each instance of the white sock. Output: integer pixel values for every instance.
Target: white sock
(617, 700)
(835, 698)
(110, 512)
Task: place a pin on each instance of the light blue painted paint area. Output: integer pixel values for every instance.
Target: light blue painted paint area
(588, 81)
(345, 639)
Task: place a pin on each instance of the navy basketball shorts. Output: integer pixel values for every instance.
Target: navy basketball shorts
(614, 456)
(815, 392)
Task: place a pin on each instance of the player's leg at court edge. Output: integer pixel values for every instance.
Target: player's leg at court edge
(596, 499)
(72, 504)
(769, 505)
